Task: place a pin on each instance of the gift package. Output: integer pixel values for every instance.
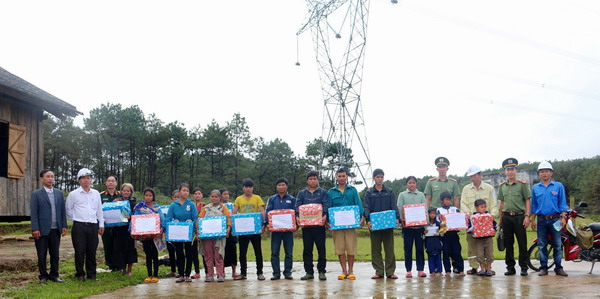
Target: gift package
(246, 224)
(483, 225)
(212, 227)
(115, 213)
(144, 227)
(282, 220)
(345, 217)
(383, 220)
(414, 215)
(311, 214)
(180, 231)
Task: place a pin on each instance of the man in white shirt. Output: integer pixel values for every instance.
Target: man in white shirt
(84, 208)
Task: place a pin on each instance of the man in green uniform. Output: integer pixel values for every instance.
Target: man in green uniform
(107, 240)
(436, 186)
(515, 206)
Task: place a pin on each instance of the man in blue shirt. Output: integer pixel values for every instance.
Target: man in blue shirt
(281, 201)
(313, 235)
(549, 204)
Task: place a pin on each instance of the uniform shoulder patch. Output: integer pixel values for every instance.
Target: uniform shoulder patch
(523, 181)
(451, 179)
(502, 183)
(433, 179)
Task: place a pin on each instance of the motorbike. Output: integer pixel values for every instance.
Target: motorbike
(571, 250)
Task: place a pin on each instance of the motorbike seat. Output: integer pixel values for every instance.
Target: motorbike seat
(595, 227)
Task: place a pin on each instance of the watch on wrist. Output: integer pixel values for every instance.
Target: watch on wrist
(527, 215)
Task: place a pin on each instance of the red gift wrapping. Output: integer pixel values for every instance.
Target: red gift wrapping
(145, 235)
(461, 227)
(282, 212)
(415, 223)
(311, 214)
(483, 225)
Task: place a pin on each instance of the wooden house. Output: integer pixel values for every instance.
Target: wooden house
(22, 107)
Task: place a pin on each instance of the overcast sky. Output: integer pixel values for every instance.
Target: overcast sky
(475, 81)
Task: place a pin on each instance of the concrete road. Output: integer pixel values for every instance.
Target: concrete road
(579, 284)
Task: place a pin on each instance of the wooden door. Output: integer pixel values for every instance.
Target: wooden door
(16, 151)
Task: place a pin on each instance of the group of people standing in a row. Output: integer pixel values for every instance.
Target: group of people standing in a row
(515, 206)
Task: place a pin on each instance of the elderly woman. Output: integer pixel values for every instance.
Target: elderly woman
(124, 252)
(214, 249)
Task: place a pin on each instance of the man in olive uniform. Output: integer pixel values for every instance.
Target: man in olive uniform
(107, 240)
(436, 186)
(477, 189)
(515, 206)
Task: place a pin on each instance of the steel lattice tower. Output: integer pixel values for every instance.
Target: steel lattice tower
(340, 64)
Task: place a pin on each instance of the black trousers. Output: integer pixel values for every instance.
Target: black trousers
(124, 252)
(230, 258)
(43, 245)
(107, 245)
(314, 235)
(151, 257)
(172, 258)
(244, 242)
(513, 226)
(184, 259)
(85, 243)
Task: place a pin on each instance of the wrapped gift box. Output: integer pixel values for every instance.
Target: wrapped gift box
(455, 221)
(145, 227)
(180, 231)
(212, 227)
(383, 220)
(311, 214)
(229, 207)
(414, 215)
(115, 213)
(282, 220)
(483, 225)
(246, 224)
(344, 217)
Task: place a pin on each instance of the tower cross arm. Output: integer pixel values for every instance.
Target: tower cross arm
(319, 10)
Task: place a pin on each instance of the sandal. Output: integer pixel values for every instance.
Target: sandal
(154, 280)
(392, 276)
(351, 277)
(239, 277)
(408, 274)
(376, 276)
(148, 280)
(342, 276)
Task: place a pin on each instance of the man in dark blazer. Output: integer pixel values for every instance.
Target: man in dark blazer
(48, 223)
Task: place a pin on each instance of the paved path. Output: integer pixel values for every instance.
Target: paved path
(578, 285)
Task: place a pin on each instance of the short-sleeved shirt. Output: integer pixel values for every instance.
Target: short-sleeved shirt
(470, 194)
(514, 196)
(409, 198)
(435, 187)
(245, 205)
(107, 197)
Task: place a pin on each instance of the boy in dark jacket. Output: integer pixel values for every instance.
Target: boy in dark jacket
(433, 244)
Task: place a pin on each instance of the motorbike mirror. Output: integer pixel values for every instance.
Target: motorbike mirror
(583, 204)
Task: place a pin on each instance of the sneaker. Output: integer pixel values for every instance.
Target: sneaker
(543, 272)
(220, 279)
(188, 279)
(196, 276)
(277, 277)
(288, 277)
(322, 276)
(208, 279)
(561, 272)
(307, 277)
(180, 280)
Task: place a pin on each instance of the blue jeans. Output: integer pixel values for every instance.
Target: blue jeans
(545, 227)
(288, 247)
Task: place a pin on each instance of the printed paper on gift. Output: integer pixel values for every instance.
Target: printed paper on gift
(455, 221)
(145, 227)
(344, 217)
(246, 224)
(311, 214)
(180, 231)
(212, 227)
(282, 220)
(115, 213)
(483, 225)
(414, 215)
(383, 220)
